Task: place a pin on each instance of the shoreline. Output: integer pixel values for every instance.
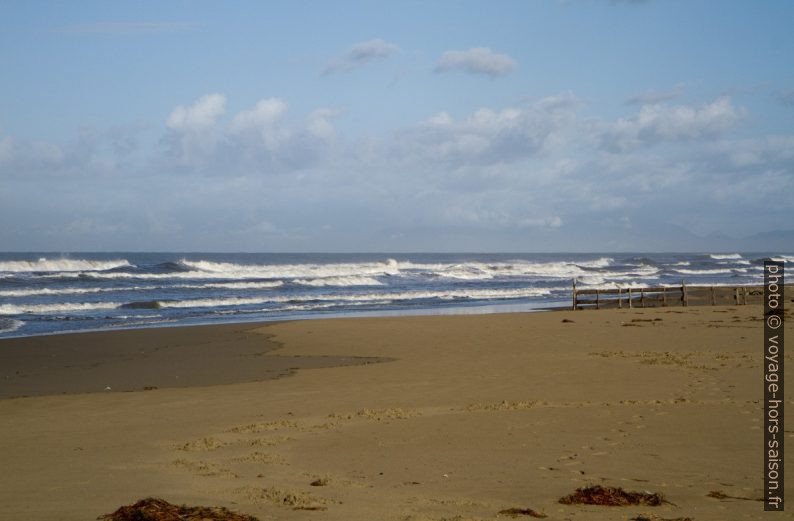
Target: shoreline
(698, 294)
(477, 309)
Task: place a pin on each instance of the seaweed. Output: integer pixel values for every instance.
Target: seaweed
(155, 509)
(515, 512)
(611, 496)
(718, 494)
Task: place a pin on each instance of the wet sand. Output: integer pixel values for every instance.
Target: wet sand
(472, 415)
(147, 359)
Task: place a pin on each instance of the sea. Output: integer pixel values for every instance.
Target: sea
(46, 293)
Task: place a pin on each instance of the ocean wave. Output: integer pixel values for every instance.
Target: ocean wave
(80, 291)
(339, 281)
(783, 258)
(472, 294)
(209, 270)
(717, 271)
(601, 284)
(285, 271)
(7, 325)
(20, 309)
(724, 256)
(233, 285)
(602, 262)
(61, 265)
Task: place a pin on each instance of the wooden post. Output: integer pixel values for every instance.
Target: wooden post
(736, 295)
(744, 296)
(598, 301)
(664, 297)
(713, 301)
(642, 297)
(620, 298)
(573, 295)
(684, 298)
(631, 304)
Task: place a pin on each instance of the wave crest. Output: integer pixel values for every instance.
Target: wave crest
(48, 265)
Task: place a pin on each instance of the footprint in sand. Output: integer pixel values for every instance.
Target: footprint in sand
(202, 468)
(201, 445)
(295, 499)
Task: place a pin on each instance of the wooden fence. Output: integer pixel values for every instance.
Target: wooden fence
(656, 296)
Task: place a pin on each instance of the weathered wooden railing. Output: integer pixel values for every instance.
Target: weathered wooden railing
(658, 296)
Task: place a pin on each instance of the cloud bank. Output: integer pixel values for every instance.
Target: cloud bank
(535, 175)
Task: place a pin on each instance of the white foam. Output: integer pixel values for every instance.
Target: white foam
(354, 274)
(285, 271)
(13, 309)
(81, 291)
(8, 325)
(59, 265)
(474, 294)
(234, 285)
(717, 271)
(603, 262)
(723, 256)
(783, 258)
(339, 281)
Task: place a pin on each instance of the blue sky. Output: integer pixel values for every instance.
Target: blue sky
(404, 126)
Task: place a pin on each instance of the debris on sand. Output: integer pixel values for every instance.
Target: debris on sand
(611, 496)
(515, 512)
(155, 509)
(643, 517)
(319, 482)
(567, 321)
(718, 494)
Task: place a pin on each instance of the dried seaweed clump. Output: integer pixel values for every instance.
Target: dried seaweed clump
(154, 509)
(611, 496)
(515, 512)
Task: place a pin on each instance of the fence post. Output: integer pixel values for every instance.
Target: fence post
(642, 297)
(736, 295)
(598, 301)
(744, 296)
(664, 297)
(620, 298)
(573, 293)
(684, 299)
(631, 305)
(713, 301)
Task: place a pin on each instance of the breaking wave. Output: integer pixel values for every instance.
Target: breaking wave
(57, 265)
(7, 325)
(21, 309)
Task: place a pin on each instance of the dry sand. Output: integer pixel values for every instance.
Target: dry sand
(472, 415)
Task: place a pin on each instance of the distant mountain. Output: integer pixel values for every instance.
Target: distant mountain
(773, 240)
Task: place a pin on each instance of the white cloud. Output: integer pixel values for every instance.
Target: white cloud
(360, 55)
(490, 136)
(503, 174)
(193, 136)
(258, 140)
(657, 123)
(478, 60)
(200, 115)
(265, 113)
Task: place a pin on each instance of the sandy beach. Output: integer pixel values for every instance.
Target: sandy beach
(403, 418)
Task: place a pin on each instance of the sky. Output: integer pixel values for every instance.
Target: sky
(542, 125)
